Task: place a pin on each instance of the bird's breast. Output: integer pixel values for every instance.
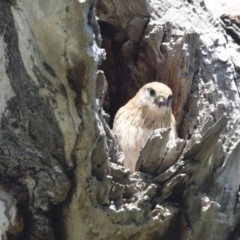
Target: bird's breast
(133, 127)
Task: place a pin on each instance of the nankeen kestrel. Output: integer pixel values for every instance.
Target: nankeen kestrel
(150, 109)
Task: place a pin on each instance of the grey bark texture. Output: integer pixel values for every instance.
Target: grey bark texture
(61, 171)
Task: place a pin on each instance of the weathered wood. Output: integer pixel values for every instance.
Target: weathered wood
(153, 152)
(60, 167)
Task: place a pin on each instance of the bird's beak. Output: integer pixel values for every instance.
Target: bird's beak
(160, 102)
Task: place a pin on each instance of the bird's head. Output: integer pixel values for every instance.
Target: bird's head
(154, 98)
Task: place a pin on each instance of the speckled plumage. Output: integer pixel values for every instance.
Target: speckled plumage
(150, 109)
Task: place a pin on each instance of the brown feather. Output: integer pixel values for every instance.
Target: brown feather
(144, 113)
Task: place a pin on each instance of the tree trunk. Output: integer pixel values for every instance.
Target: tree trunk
(60, 166)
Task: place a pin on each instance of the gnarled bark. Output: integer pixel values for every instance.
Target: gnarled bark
(62, 174)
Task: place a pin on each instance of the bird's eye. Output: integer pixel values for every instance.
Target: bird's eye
(152, 92)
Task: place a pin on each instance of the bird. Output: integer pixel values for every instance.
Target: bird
(149, 109)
